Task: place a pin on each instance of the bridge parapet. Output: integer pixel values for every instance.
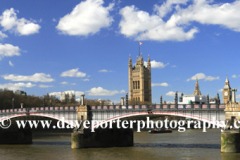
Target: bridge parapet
(156, 107)
(160, 107)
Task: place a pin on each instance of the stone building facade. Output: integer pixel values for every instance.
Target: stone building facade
(195, 98)
(68, 97)
(140, 80)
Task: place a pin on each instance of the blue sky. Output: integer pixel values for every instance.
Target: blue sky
(54, 46)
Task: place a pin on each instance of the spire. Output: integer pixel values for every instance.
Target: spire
(227, 78)
(130, 59)
(141, 59)
(148, 63)
(197, 90)
(227, 84)
(148, 58)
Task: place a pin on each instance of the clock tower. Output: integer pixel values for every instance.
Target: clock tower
(227, 92)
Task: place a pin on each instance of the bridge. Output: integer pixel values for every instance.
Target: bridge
(107, 112)
(104, 113)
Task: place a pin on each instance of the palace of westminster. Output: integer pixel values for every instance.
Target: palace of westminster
(140, 86)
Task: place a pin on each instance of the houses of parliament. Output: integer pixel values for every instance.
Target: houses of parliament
(140, 83)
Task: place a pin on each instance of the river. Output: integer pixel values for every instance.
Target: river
(191, 144)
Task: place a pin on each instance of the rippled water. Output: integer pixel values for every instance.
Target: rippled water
(192, 144)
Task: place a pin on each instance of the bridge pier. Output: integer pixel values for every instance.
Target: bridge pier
(102, 138)
(84, 138)
(230, 140)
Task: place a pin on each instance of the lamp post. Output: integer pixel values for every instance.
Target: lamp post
(43, 101)
(12, 103)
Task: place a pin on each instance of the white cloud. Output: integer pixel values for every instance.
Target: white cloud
(142, 26)
(122, 91)
(155, 64)
(173, 66)
(78, 99)
(238, 96)
(166, 7)
(8, 50)
(86, 79)
(205, 12)
(2, 35)
(203, 76)
(160, 84)
(54, 20)
(64, 82)
(210, 78)
(104, 70)
(220, 90)
(56, 94)
(73, 73)
(9, 21)
(234, 76)
(102, 92)
(179, 27)
(16, 86)
(73, 84)
(88, 17)
(37, 77)
(78, 93)
(45, 86)
(172, 94)
(11, 64)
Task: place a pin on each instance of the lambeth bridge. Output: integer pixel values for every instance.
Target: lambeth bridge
(202, 112)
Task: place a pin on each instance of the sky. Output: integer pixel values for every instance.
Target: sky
(84, 46)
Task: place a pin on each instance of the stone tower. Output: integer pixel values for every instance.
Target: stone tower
(140, 80)
(197, 90)
(227, 95)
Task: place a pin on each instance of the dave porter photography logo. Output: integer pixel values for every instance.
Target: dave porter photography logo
(180, 125)
(5, 124)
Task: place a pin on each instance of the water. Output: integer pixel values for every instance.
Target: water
(191, 144)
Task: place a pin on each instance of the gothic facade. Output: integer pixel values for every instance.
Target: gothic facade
(140, 80)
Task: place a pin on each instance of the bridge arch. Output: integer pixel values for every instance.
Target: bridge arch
(40, 115)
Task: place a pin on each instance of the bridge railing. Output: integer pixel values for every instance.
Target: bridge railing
(121, 107)
(160, 107)
(39, 109)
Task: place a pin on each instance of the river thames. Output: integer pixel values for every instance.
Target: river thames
(191, 144)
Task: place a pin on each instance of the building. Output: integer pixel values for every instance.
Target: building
(68, 97)
(214, 100)
(20, 93)
(195, 98)
(140, 80)
(227, 94)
